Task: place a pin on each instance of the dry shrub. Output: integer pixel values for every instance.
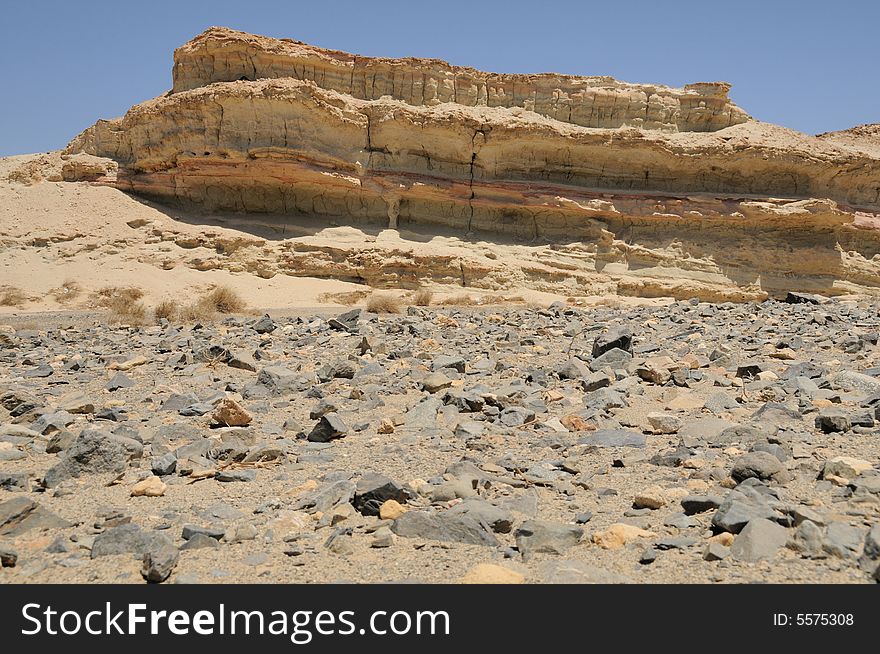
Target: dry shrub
(481, 300)
(67, 292)
(202, 311)
(123, 303)
(224, 300)
(422, 297)
(346, 299)
(11, 296)
(167, 309)
(383, 303)
(458, 301)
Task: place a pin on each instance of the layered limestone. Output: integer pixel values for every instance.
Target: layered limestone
(222, 55)
(660, 191)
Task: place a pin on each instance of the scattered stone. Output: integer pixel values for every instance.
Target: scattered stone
(92, 452)
(391, 510)
(329, 427)
(759, 539)
(372, 491)
(846, 467)
(442, 527)
(149, 487)
(158, 562)
(832, 420)
(618, 535)
(664, 423)
(230, 413)
(22, 514)
(541, 536)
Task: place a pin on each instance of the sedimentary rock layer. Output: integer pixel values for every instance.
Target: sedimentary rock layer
(322, 134)
(222, 55)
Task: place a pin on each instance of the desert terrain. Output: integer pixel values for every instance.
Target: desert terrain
(315, 317)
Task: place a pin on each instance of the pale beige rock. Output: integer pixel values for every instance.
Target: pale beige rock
(490, 573)
(230, 413)
(149, 487)
(385, 427)
(652, 497)
(128, 364)
(724, 538)
(846, 467)
(391, 510)
(618, 535)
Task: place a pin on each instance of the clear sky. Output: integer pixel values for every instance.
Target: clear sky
(810, 65)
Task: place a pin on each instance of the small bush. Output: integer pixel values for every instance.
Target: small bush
(346, 299)
(123, 303)
(10, 296)
(67, 292)
(167, 309)
(383, 303)
(422, 298)
(224, 300)
(202, 311)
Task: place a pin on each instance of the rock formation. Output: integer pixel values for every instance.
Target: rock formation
(663, 191)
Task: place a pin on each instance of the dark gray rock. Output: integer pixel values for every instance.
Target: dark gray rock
(373, 490)
(742, 505)
(326, 496)
(191, 531)
(119, 380)
(128, 539)
(693, 504)
(615, 338)
(164, 465)
(264, 325)
(715, 552)
(21, 514)
(516, 416)
(93, 452)
(15, 482)
(831, 420)
(614, 438)
(158, 562)
(614, 358)
(760, 465)
(495, 518)
(572, 369)
(329, 427)
(443, 527)
(842, 540)
(541, 536)
(759, 539)
(200, 541)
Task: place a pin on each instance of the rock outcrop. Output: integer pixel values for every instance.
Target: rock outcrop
(639, 176)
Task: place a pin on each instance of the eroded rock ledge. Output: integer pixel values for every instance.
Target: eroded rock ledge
(259, 125)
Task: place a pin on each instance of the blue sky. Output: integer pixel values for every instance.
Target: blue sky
(808, 65)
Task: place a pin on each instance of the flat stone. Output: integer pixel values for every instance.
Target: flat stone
(759, 539)
(443, 527)
(614, 438)
(22, 514)
(541, 536)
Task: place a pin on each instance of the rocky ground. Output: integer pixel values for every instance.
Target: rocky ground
(691, 442)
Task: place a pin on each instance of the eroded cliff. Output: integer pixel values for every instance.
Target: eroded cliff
(657, 186)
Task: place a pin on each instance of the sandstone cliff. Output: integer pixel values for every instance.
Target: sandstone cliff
(664, 191)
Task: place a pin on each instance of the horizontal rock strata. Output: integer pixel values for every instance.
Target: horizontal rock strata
(257, 125)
